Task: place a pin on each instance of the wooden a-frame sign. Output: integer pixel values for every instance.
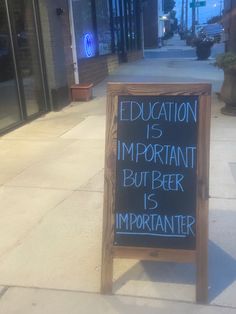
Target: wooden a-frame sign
(157, 177)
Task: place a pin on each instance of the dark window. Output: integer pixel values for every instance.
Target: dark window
(103, 26)
(85, 36)
(21, 85)
(9, 105)
(27, 53)
(126, 25)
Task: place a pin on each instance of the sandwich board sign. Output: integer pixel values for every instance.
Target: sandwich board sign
(156, 176)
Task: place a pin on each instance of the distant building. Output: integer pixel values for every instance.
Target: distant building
(48, 45)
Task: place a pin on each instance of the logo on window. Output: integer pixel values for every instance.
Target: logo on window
(88, 44)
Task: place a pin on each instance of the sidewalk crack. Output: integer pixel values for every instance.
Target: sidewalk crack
(4, 290)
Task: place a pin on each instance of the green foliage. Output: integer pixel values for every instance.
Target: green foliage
(226, 61)
(174, 23)
(173, 14)
(215, 19)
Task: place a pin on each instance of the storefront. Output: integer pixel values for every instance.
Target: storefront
(126, 26)
(47, 46)
(22, 89)
(104, 33)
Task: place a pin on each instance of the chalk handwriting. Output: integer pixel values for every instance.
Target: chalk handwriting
(153, 131)
(150, 201)
(165, 111)
(170, 155)
(174, 226)
(153, 180)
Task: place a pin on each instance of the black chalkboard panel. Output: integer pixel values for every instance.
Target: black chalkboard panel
(156, 180)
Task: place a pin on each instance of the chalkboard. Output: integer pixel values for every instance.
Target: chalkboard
(157, 176)
(155, 204)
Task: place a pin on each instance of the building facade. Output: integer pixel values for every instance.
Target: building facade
(153, 21)
(47, 46)
(229, 21)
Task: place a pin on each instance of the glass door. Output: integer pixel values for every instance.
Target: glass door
(22, 89)
(23, 17)
(10, 112)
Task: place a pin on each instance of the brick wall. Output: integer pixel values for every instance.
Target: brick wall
(112, 62)
(229, 20)
(94, 70)
(134, 55)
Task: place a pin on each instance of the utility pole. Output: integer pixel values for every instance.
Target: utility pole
(198, 15)
(193, 16)
(186, 14)
(220, 7)
(182, 16)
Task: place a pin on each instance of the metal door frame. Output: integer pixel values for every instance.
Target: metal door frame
(73, 42)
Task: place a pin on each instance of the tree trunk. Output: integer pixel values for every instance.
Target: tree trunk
(228, 93)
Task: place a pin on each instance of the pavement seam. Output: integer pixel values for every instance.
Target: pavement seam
(222, 198)
(116, 295)
(30, 230)
(217, 140)
(38, 222)
(36, 187)
(49, 188)
(178, 301)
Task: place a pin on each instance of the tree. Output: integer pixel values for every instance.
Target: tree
(168, 5)
(172, 14)
(174, 20)
(215, 19)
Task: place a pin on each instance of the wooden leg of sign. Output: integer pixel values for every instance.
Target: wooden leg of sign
(107, 243)
(202, 278)
(107, 271)
(202, 247)
(202, 207)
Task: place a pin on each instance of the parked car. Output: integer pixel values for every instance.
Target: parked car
(214, 31)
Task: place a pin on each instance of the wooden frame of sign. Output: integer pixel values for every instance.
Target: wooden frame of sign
(116, 241)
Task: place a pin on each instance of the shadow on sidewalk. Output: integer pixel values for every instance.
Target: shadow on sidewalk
(222, 272)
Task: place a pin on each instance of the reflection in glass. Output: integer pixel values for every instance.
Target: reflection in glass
(9, 105)
(84, 30)
(103, 26)
(27, 54)
(132, 30)
(126, 25)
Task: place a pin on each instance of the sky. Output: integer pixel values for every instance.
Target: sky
(212, 8)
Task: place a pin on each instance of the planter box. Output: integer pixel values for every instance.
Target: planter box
(81, 92)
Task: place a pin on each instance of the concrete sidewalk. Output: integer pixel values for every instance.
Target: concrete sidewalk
(177, 48)
(173, 43)
(51, 194)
